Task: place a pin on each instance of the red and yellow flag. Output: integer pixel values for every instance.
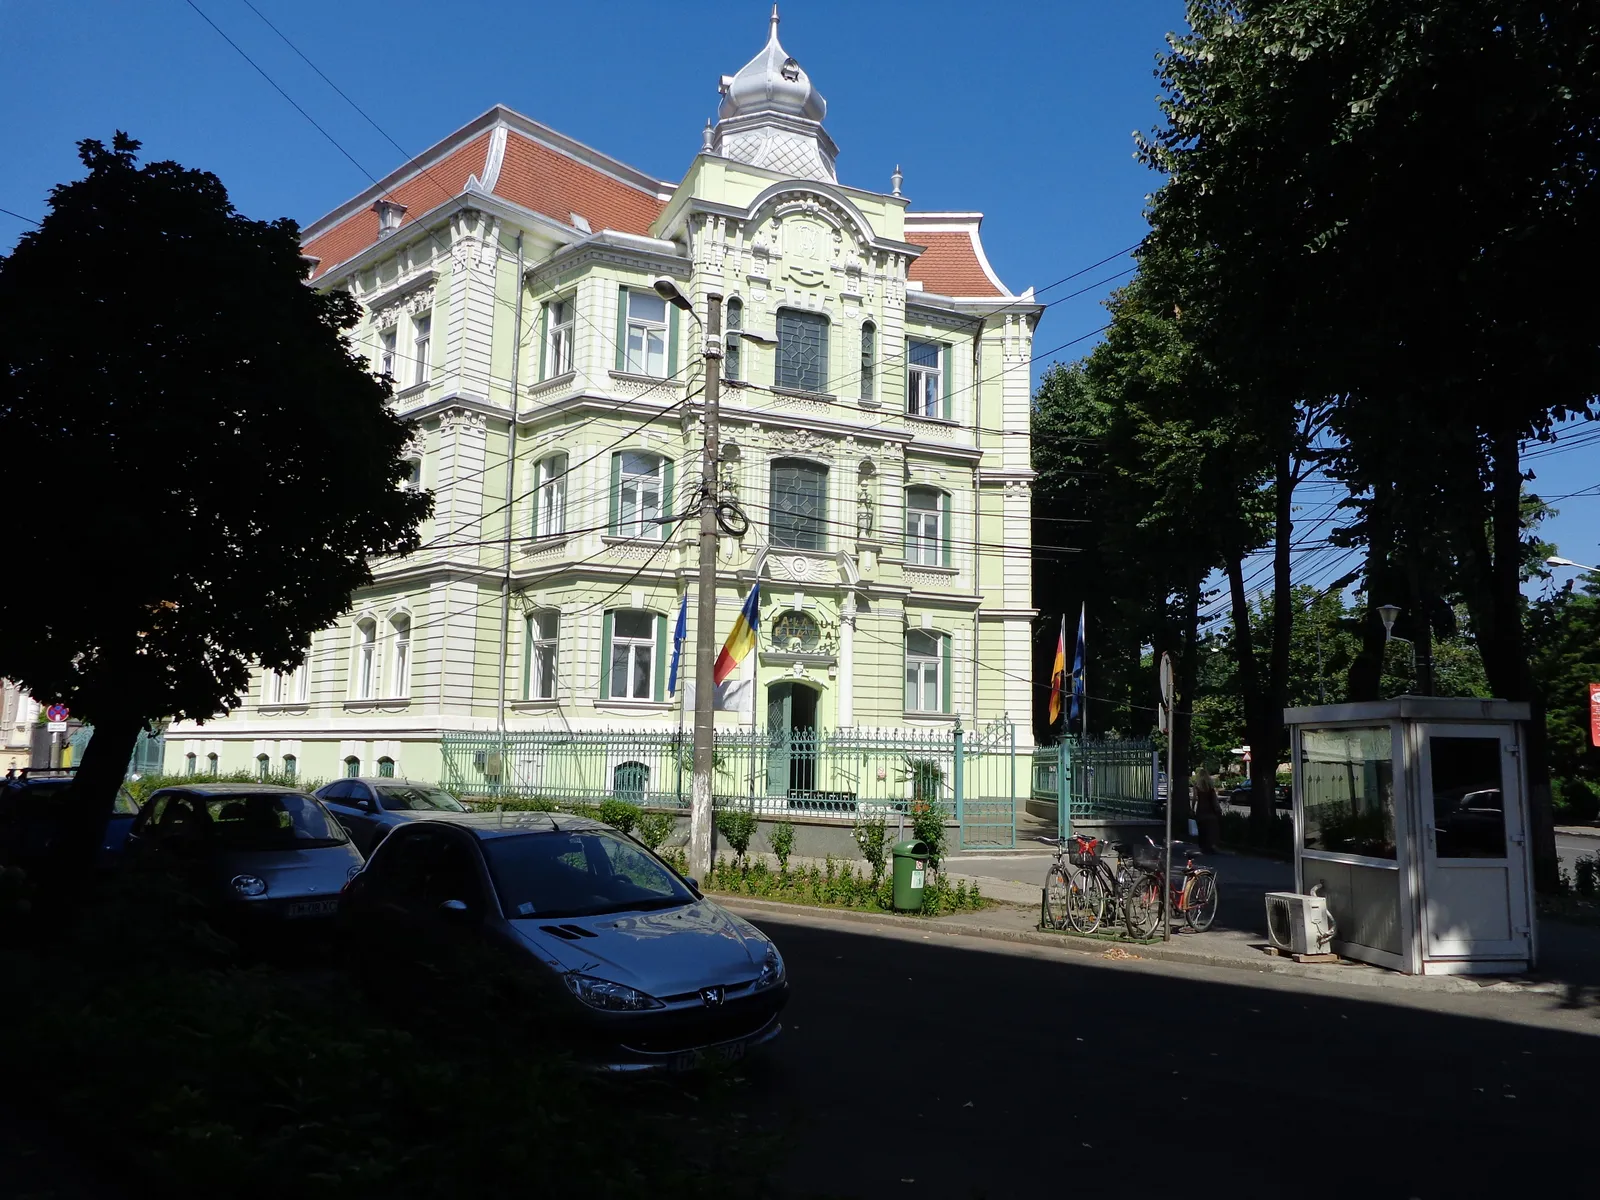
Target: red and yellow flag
(742, 638)
(1058, 674)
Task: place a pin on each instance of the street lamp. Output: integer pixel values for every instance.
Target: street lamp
(1388, 612)
(1557, 561)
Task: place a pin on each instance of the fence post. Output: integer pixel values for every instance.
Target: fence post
(1012, 729)
(960, 770)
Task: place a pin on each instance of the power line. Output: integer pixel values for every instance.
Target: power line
(19, 216)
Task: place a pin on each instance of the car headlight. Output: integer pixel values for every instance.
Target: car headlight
(249, 885)
(772, 973)
(608, 996)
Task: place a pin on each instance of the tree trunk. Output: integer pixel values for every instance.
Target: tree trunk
(1250, 692)
(1188, 671)
(1365, 677)
(1264, 765)
(88, 803)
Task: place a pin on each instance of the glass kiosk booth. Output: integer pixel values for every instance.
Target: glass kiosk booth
(1412, 814)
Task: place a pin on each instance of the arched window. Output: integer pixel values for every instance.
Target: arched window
(869, 358)
(291, 766)
(352, 767)
(211, 764)
(400, 666)
(795, 632)
(629, 781)
(927, 527)
(799, 505)
(732, 343)
(366, 663)
(190, 765)
(550, 497)
(542, 643)
(413, 480)
(927, 671)
(386, 768)
(263, 767)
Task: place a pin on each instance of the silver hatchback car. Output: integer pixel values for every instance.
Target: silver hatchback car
(638, 970)
(370, 809)
(251, 850)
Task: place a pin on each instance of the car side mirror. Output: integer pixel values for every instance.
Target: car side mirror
(694, 884)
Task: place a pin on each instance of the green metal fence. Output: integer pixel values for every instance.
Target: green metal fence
(1098, 780)
(971, 777)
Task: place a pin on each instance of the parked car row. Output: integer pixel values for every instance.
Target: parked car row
(636, 968)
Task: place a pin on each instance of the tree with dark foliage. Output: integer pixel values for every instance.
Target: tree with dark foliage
(209, 467)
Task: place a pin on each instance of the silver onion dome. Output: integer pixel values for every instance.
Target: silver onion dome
(771, 82)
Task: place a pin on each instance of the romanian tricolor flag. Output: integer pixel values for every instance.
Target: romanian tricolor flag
(742, 638)
(1058, 673)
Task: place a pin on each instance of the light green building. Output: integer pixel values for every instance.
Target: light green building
(874, 427)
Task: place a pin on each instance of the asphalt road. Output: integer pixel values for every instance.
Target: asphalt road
(928, 1066)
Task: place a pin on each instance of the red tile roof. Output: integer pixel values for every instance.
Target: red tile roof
(557, 185)
(422, 192)
(952, 264)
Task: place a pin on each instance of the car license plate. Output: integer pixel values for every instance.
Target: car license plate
(732, 1052)
(313, 908)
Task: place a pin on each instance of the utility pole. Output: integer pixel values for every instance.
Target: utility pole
(705, 633)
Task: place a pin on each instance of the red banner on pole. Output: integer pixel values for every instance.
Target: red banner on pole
(1594, 713)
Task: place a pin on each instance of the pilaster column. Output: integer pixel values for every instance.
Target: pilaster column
(847, 662)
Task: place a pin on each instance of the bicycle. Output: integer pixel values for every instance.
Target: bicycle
(1194, 893)
(1082, 889)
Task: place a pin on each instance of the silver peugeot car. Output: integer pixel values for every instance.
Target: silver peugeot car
(250, 850)
(639, 969)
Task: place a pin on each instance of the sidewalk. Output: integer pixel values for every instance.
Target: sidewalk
(1583, 831)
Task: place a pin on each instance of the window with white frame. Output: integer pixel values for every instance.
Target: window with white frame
(190, 764)
(550, 497)
(287, 687)
(639, 494)
(633, 649)
(924, 671)
(869, 358)
(388, 345)
(924, 535)
(646, 334)
(366, 660)
(924, 386)
(424, 336)
(413, 480)
(558, 341)
(732, 343)
(211, 764)
(544, 631)
(400, 661)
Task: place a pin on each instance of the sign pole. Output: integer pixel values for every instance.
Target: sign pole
(1166, 842)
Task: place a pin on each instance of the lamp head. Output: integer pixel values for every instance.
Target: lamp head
(1388, 612)
(1555, 560)
(668, 291)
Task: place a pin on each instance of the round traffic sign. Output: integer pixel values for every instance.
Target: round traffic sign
(56, 712)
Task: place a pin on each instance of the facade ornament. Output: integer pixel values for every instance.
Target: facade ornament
(896, 180)
(705, 137)
(864, 509)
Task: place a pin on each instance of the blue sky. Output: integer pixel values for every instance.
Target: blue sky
(1025, 115)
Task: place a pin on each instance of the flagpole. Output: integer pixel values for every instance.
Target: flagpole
(677, 653)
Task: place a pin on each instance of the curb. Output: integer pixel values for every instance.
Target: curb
(1360, 974)
(1578, 831)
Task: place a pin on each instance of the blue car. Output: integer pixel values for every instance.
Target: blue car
(32, 817)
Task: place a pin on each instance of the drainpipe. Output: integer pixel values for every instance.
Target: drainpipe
(511, 472)
(977, 496)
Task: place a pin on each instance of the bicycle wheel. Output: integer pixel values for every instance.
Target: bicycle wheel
(1143, 912)
(1071, 900)
(1200, 901)
(1087, 908)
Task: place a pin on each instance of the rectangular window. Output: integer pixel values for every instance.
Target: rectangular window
(923, 387)
(924, 662)
(1347, 777)
(633, 646)
(543, 634)
(550, 517)
(366, 660)
(799, 505)
(424, 336)
(646, 334)
(732, 344)
(802, 351)
(387, 342)
(869, 358)
(639, 496)
(922, 527)
(558, 349)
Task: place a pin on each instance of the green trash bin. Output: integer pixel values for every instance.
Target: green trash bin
(910, 869)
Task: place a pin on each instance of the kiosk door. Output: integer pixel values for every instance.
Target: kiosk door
(1474, 851)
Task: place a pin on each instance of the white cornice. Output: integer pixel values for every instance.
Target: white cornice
(659, 250)
(421, 279)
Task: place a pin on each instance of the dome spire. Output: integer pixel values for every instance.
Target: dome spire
(771, 114)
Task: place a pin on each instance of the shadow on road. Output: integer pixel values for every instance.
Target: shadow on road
(945, 1068)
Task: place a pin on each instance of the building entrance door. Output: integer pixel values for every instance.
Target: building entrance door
(791, 738)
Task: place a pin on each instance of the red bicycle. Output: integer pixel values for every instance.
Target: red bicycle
(1194, 893)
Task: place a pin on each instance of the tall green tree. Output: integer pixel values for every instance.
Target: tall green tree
(1387, 193)
(212, 464)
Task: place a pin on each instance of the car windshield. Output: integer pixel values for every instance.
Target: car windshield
(404, 797)
(272, 821)
(567, 874)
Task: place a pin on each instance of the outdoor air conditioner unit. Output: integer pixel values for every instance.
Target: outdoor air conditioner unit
(1299, 924)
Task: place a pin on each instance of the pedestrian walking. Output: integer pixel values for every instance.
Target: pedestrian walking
(1208, 811)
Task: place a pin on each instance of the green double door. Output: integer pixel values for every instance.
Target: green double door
(792, 739)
